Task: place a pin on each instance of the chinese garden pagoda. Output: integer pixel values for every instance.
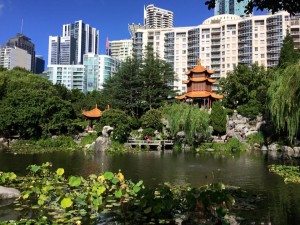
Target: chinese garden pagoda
(199, 87)
(93, 114)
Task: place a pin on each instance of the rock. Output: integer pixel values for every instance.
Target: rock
(273, 147)
(102, 144)
(264, 148)
(181, 134)
(297, 150)
(106, 131)
(288, 150)
(251, 132)
(259, 125)
(259, 118)
(7, 193)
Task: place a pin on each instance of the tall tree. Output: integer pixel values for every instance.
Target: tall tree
(284, 94)
(140, 85)
(124, 89)
(288, 54)
(218, 118)
(292, 6)
(245, 88)
(158, 78)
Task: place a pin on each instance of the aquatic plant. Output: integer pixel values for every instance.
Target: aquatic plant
(291, 174)
(51, 197)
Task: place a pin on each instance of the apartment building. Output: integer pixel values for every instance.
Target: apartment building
(121, 49)
(221, 42)
(11, 57)
(155, 17)
(71, 76)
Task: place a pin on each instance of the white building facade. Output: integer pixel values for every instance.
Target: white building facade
(155, 17)
(221, 42)
(11, 57)
(71, 76)
(121, 49)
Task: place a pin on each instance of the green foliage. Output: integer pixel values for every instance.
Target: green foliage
(284, 100)
(53, 198)
(272, 6)
(245, 88)
(193, 121)
(152, 119)
(140, 85)
(288, 54)
(147, 132)
(29, 106)
(218, 118)
(257, 138)
(291, 174)
(233, 145)
(119, 121)
(89, 139)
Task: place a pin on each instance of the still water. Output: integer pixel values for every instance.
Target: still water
(279, 203)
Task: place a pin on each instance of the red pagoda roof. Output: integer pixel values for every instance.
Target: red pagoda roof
(199, 79)
(93, 114)
(199, 94)
(199, 69)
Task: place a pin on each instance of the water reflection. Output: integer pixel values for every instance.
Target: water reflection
(280, 203)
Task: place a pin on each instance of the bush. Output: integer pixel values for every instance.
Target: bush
(257, 138)
(251, 109)
(152, 119)
(119, 121)
(218, 119)
(234, 145)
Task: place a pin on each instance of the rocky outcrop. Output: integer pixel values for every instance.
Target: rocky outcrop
(103, 142)
(4, 143)
(8, 193)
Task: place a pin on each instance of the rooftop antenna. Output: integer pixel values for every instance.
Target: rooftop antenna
(22, 26)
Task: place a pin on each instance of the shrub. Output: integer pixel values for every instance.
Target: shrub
(152, 119)
(234, 145)
(218, 118)
(257, 138)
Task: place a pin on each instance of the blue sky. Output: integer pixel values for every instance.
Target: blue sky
(42, 18)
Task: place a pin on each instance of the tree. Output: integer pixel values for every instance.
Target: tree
(158, 77)
(193, 121)
(152, 119)
(246, 87)
(119, 121)
(291, 6)
(123, 90)
(218, 118)
(285, 100)
(140, 85)
(30, 106)
(288, 54)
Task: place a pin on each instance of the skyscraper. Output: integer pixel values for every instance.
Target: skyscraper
(39, 64)
(231, 7)
(23, 42)
(86, 39)
(155, 17)
(121, 49)
(11, 57)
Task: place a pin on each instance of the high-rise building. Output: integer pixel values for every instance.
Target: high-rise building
(86, 39)
(71, 76)
(155, 17)
(230, 7)
(221, 42)
(39, 64)
(108, 66)
(91, 71)
(121, 49)
(11, 57)
(61, 50)
(23, 42)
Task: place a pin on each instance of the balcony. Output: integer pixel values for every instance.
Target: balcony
(214, 43)
(215, 62)
(215, 56)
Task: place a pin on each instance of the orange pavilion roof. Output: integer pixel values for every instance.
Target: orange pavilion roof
(94, 113)
(199, 79)
(199, 94)
(199, 69)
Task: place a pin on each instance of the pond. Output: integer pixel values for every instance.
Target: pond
(278, 204)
